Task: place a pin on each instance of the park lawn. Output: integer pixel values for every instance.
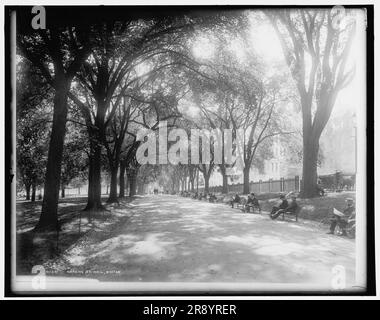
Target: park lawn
(74, 223)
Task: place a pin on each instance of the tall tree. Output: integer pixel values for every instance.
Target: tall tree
(33, 118)
(238, 96)
(58, 52)
(120, 47)
(137, 104)
(31, 153)
(316, 52)
(74, 155)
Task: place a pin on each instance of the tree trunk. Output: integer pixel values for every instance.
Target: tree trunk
(140, 187)
(246, 180)
(33, 192)
(191, 180)
(225, 184)
(113, 191)
(132, 177)
(207, 179)
(94, 200)
(122, 180)
(27, 189)
(225, 179)
(62, 191)
(309, 168)
(197, 181)
(49, 214)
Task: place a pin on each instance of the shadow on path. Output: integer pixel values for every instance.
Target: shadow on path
(169, 238)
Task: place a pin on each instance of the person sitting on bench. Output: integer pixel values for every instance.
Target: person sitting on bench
(234, 200)
(202, 196)
(293, 205)
(342, 219)
(291, 208)
(275, 210)
(211, 198)
(252, 202)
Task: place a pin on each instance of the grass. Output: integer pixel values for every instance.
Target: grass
(74, 223)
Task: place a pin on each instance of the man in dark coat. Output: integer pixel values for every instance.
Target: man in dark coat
(291, 207)
(275, 210)
(234, 200)
(252, 202)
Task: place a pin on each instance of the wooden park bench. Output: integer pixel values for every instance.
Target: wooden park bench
(241, 204)
(221, 198)
(253, 207)
(292, 214)
(201, 196)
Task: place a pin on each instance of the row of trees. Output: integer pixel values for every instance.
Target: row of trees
(109, 77)
(87, 88)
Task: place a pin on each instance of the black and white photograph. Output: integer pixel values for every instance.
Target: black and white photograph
(189, 149)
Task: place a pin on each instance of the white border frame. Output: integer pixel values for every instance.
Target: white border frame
(361, 131)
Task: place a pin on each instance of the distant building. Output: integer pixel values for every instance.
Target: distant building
(275, 168)
(279, 166)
